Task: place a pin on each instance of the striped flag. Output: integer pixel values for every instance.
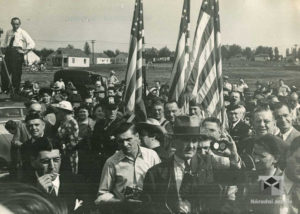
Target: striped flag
(134, 89)
(205, 80)
(178, 77)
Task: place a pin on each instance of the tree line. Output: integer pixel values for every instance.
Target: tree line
(228, 51)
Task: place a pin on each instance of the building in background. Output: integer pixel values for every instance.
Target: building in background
(122, 58)
(68, 57)
(100, 58)
(262, 58)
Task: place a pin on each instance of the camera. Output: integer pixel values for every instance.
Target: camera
(132, 193)
(218, 145)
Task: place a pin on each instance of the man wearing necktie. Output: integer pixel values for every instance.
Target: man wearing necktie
(17, 43)
(292, 179)
(171, 186)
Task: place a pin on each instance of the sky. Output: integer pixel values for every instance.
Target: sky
(57, 23)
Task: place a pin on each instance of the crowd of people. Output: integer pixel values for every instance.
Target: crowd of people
(91, 154)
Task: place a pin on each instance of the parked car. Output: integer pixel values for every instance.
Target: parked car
(82, 79)
(9, 111)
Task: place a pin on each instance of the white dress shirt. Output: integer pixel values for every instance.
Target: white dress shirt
(22, 39)
(179, 170)
(56, 184)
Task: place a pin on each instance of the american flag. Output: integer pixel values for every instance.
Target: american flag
(134, 80)
(178, 76)
(205, 80)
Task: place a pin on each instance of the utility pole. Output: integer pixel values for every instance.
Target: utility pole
(93, 53)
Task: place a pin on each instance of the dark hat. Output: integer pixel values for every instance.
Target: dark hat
(272, 143)
(109, 105)
(234, 106)
(45, 90)
(187, 125)
(193, 102)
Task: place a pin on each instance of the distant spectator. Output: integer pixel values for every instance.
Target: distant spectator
(196, 109)
(241, 86)
(68, 133)
(295, 109)
(235, 98)
(283, 90)
(227, 86)
(113, 78)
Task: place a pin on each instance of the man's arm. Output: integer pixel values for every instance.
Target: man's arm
(106, 184)
(29, 42)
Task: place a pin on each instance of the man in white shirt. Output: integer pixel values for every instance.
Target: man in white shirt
(124, 172)
(17, 43)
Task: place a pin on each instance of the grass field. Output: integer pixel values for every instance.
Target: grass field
(250, 71)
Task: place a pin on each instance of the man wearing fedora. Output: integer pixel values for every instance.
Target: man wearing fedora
(163, 188)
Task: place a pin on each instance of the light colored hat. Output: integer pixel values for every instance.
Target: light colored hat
(112, 72)
(152, 125)
(57, 86)
(65, 105)
(98, 83)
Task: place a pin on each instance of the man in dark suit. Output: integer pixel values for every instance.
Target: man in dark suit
(168, 184)
(46, 158)
(284, 122)
(238, 129)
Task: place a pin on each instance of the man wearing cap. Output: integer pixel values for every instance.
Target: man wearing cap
(195, 109)
(163, 183)
(68, 131)
(103, 144)
(123, 173)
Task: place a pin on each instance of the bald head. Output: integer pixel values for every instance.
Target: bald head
(35, 107)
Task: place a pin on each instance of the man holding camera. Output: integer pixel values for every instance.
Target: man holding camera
(123, 173)
(17, 43)
(172, 186)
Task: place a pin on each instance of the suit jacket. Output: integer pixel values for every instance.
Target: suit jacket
(239, 132)
(161, 193)
(294, 133)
